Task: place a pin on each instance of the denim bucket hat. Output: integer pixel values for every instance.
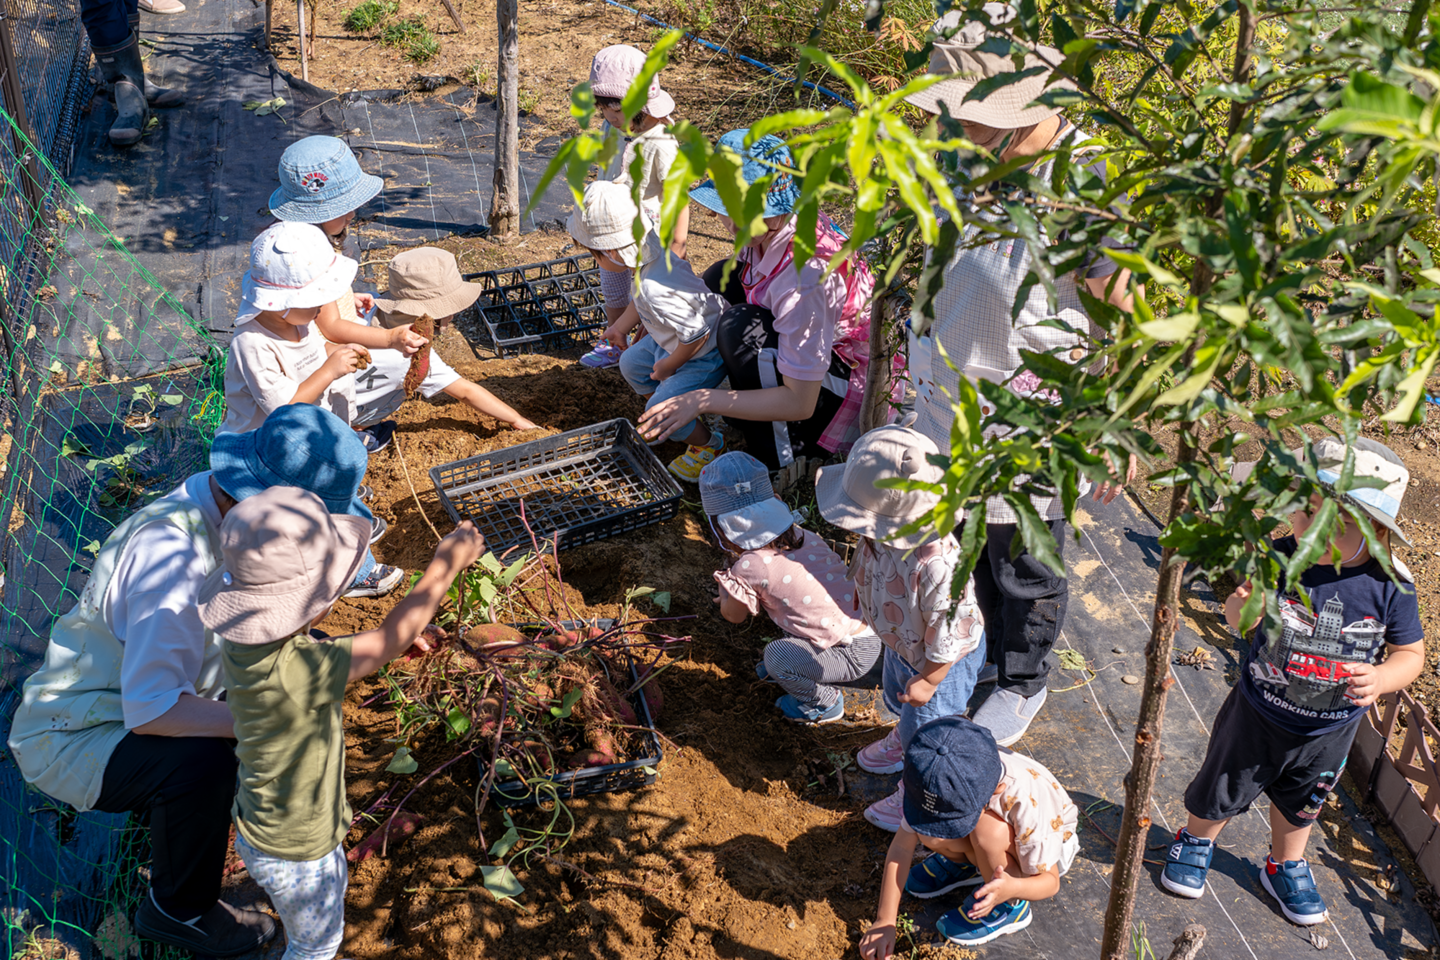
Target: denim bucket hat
(299, 445)
(952, 767)
(762, 159)
(320, 179)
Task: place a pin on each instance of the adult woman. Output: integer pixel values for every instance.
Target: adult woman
(795, 344)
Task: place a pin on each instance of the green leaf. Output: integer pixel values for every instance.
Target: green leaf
(402, 762)
(505, 770)
(573, 697)
(1171, 329)
(650, 771)
(457, 722)
(1035, 535)
(71, 447)
(501, 883)
(173, 399)
(661, 599)
(634, 100)
(1142, 266)
(505, 844)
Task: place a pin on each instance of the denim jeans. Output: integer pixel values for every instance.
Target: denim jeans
(107, 22)
(698, 373)
(951, 698)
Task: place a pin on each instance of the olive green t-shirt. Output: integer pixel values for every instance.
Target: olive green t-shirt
(286, 699)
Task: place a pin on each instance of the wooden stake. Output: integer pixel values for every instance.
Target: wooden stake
(450, 9)
(505, 201)
(300, 38)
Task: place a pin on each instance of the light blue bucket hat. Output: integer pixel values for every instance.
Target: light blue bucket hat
(760, 160)
(320, 179)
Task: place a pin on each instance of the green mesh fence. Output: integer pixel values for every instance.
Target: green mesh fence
(109, 396)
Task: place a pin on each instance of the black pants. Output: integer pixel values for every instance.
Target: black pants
(742, 332)
(184, 787)
(107, 22)
(1023, 606)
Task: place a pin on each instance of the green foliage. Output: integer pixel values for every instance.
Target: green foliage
(411, 36)
(369, 14)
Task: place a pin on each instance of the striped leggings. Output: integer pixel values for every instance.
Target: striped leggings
(806, 671)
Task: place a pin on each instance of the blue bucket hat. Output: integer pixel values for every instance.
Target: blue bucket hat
(320, 179)
(735, 489)
(299, 445)
(952, 768)
(760, 160)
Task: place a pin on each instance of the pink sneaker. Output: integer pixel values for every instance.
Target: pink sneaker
(887, 814)
(884, 755)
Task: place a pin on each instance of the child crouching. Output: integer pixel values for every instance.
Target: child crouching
(996, 819)
(286, 561)
(779, 566)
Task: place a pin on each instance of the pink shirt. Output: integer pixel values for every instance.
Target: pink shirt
(807, 305)
(805, 591)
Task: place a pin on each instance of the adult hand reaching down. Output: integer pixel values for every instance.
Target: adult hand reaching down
(790, 401)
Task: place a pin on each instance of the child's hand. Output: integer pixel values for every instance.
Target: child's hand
(462, 546)
(406, 340)
(616, 335)
(878, 943)
(918, 691)
(1364, 684)
(1235, 601)
(347, 359)
(524, 424)
(991, 894)
(661, 371)
(363, 303)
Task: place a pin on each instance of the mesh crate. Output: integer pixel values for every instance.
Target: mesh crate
(607, 778)
(578, 486)
(538, 308)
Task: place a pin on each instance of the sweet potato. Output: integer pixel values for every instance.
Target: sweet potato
(613, 702)
(498, 640)
(385, 836)
(589, 758)
(563, 640)
(420, 360)
(654, 698)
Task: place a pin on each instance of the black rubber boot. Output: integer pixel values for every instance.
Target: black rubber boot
(158, 97)
(125, 74)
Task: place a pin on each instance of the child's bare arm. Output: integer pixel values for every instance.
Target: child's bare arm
(879, 941)
(1007, 884)
(734, 611)
(336, 330)
(664, 369)
(343, 359)
(923, 685)
(623, 324)
(487, 403)
(371, 650)
(1403, 663)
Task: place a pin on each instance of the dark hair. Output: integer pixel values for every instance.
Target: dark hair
(608, 102)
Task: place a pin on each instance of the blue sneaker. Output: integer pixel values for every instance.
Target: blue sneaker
(762, 671)
(957, 927)
(801, 713)
(1187, 863)
(938, 874)
(1293, 885)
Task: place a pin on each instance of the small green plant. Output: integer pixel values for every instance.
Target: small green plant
(477, 75)
(905, 927)
(370, 14)
(528, 100)
(422, 49)
(412, 36)
(1141, 943)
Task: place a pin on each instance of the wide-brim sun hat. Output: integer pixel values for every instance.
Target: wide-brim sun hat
(285, 561)
(298, 445)
(605, 219)
(766, 157)
(848, 497)
(320, 179)
(615, 67)
(426, 281)
(977, 53)
(293, 266)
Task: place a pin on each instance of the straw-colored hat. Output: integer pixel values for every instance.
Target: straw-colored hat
(849, 498)
(425, 281)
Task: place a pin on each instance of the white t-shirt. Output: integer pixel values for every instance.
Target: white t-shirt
(674, 304)
(263, 371)
(659, 148)
(150, 606)
(379, 388)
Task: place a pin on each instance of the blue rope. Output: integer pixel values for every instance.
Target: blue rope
(730, 53)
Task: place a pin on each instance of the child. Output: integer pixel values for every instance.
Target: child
(677, 309)
(902, 590)
(286, 561)
(995, 819)
(424, 281)
(799, 581)
(611, 73)
(1286, 728)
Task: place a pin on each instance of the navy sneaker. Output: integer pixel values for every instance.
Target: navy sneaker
(938, 874)
(801, 713)
(1187, 863)
(1293, 885)
(377, 437)
(957, 927)
(762, 671)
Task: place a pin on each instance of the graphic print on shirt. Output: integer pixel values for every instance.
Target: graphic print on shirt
(1306, 668)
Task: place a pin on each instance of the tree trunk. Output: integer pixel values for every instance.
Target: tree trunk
(874, 407)
(505, 202)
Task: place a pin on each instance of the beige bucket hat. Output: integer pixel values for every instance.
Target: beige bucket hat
(848, 497)
(286, 560)
(975, 54)
(424, 282)
(603, 222)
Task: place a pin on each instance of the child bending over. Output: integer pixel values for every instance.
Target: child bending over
(780, 567)
(286, 561)
(1286, 728)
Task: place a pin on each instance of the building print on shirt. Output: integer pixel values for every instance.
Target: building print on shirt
(1306, 669)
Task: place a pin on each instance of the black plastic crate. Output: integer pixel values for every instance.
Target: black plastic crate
(607, 778)
(537, 308)
(579, 486)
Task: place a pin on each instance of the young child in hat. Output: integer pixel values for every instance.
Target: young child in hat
(789, 572)
(1286, 728)
(424, 281)
(611, 73)
(996, 819)
(678, 311)
(286, 561)
(933, 644)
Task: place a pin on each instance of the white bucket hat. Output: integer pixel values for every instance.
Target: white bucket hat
(293, 265)
(848, 497)
(603, 222)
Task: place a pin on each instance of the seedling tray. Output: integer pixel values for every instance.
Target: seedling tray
(607, 778)
(538, 308)
(578, 487)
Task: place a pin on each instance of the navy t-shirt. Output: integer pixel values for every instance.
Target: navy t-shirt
(1298, 680)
